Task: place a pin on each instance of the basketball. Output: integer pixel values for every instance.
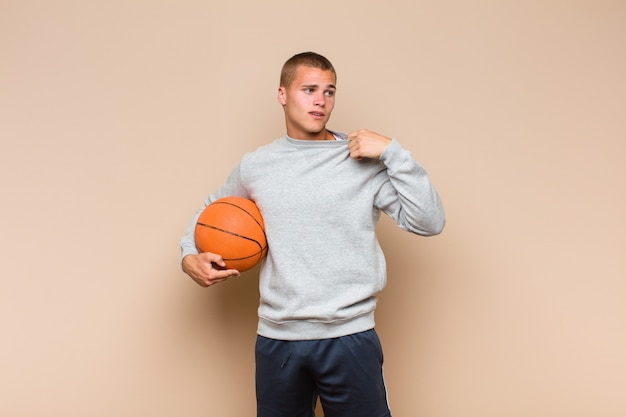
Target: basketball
(233, 228)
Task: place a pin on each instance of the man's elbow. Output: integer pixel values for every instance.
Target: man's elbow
(431, 225)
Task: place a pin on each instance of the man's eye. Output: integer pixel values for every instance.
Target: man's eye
(308, 90)
(330, 93)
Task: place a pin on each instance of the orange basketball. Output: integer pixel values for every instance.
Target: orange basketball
(233, 228)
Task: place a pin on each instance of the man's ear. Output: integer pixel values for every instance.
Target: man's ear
(282, 98)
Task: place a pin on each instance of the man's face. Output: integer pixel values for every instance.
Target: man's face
(308, 103)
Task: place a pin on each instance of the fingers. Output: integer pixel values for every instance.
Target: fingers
(215, 276)
(220, 275)
(366, 144)
(214, 269)
(355, 149)
(207, 269)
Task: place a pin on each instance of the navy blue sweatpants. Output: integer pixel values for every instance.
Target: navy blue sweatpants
(346, 373)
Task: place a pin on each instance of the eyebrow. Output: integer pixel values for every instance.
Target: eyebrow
(316, 86)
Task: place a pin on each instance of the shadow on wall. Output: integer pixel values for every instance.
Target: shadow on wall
(237, 302)
(229, 308)
(226, 314)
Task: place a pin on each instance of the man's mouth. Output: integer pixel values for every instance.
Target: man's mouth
(317, 114)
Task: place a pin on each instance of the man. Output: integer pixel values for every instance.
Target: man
(321, 193)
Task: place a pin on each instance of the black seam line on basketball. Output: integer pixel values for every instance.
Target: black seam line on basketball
(231, 233)
(245, 211)
(245, 257)
(260, 254)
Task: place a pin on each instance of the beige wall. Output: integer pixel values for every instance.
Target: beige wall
(118, 117)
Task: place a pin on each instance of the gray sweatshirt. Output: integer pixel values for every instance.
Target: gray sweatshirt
(324, 266)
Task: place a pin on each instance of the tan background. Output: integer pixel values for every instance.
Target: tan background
(117, 118)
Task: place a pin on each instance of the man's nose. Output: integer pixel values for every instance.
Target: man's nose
(319, 100)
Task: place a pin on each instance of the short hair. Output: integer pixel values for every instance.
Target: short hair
(308, 59)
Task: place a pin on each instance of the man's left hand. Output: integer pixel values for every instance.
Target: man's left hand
(367, 144)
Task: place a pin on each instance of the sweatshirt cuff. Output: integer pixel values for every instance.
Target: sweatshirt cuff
(187, 251)
(394, 155)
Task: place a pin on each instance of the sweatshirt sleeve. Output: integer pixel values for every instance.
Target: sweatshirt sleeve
(232, 187)
(407, 195)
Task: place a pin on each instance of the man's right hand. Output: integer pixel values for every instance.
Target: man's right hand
(207, 269)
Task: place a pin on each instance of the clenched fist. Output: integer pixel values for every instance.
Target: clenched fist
(367, 144)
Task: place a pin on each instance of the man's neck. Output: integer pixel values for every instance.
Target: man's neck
(323, 135)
